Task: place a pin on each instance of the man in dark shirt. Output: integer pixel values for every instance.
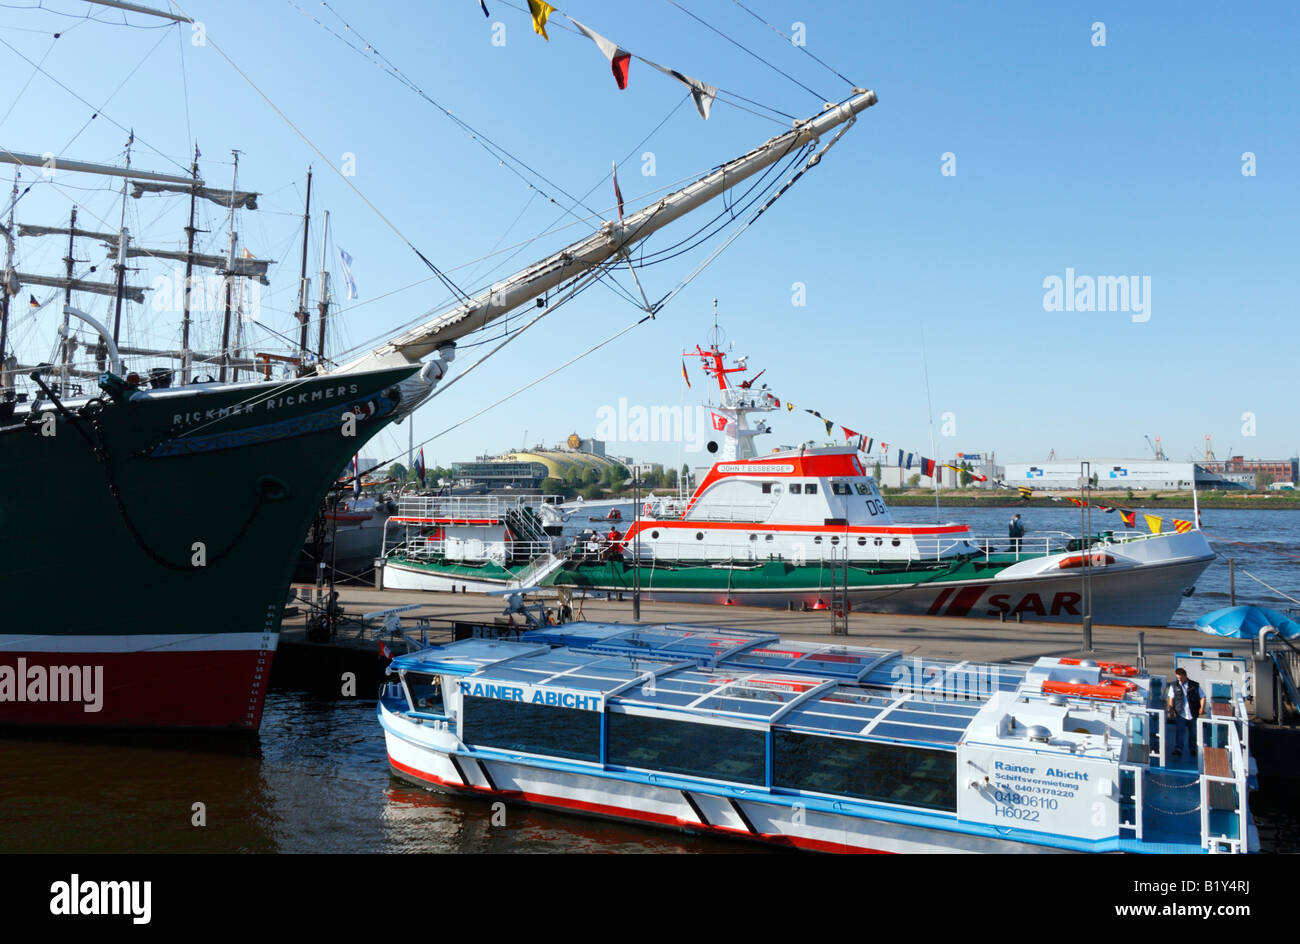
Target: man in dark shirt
(1186, 704)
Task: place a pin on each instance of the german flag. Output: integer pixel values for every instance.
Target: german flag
(1129, 518)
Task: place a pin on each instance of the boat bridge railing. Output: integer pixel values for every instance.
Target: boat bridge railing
(427, 509)
(437, 548)
(1225, 820)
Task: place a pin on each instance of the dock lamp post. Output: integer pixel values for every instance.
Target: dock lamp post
(1085, 572)
(636, 545)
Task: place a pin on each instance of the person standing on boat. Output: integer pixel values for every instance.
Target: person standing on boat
(1186, 704)
(1016, 531)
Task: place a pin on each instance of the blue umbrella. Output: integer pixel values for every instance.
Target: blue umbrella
(1245, 622)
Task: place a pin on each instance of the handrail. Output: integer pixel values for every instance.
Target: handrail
(1138, 799)
(1237, 779)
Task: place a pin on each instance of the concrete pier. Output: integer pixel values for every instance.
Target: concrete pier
(979, 640)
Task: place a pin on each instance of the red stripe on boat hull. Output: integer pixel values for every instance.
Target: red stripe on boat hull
(187, 689)
(625, 813)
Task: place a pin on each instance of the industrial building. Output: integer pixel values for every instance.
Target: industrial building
(1135, 474)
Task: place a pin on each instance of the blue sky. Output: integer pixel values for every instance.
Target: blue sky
(1115, 160)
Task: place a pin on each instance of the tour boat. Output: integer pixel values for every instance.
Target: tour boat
(822, 747)
(808, 528)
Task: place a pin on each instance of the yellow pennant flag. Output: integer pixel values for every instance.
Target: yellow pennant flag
(541, 11)
(1154, 522)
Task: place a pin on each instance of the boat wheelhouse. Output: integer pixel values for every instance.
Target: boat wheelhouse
(818, 747)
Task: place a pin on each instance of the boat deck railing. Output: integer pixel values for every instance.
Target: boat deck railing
(1225, 818)
(436, 548)
(426, 509)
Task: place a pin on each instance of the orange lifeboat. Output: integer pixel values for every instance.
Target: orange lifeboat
(1112, 689)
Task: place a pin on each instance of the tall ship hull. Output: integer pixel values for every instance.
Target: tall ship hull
(189, 506)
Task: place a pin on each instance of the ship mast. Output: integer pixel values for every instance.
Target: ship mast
(7, 287)
(612, 240)
(230, 268)
(323, 305)
(121, 252)
(303, 285)
(66, 346)
(189, 271)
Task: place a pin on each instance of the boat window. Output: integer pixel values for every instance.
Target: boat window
(841, 488)
(835, 540)
(889, 773)
(862, 489)
(753, 537)
(682, 747)
(810, 488)
(767, 537)
(818, 539)
(796, 488)
(767, 488)
(862, 542)
(654, 534)
(699, 535)
(425, 692)
(896, 542)
(878, 542)
(534, 729)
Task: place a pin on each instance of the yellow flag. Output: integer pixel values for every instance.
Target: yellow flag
(541, 11)
(1154, 522)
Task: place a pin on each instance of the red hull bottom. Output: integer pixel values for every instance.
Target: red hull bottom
(221, 689)
(604, 811)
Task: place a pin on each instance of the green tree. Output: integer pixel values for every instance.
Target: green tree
(914, 479)
(616, 475)
(1262, 481)
(877, 472)
(397, 471)
(966, 477)
(552, 486)
(591, 491)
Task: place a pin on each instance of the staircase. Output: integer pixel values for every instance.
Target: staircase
(538, 570)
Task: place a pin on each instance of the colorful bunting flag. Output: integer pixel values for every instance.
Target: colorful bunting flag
(1025, 491)
(684, 374)
(1129, 518)
(618, 194)
(849, 435)
(419, 467)
(1155, 523)
(1182, 527)
(1076, 502)
(909, 460)
(829, 426)
(703, 93)
(865, 443)
(927, 467)
(32, 302)
(719, 422)
(789, 406)
(541, 12)
(884, 447)
(619, 59)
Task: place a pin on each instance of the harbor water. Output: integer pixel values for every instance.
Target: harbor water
(316, 777)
